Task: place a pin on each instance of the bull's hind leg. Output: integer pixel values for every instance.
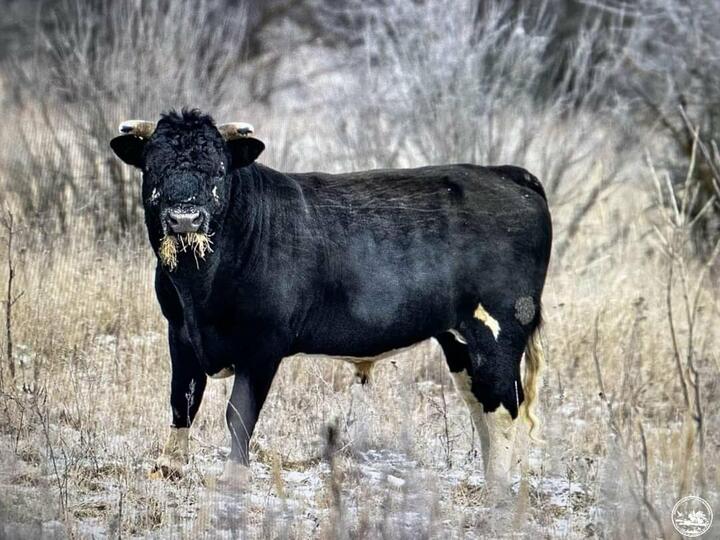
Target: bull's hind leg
(496, 430)
(484, 357)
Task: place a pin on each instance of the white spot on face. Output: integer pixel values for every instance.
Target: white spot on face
(215, 194)
(154, 195)
(482, 315)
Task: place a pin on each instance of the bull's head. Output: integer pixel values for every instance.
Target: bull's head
(187, 164)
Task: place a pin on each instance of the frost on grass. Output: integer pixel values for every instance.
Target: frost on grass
(382, 478)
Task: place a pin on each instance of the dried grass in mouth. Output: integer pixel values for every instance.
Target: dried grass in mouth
(168, 252)
(198, 243)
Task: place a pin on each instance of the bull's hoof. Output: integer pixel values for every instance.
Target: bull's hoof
(174, 455)
(168, 468)
(498, 485)
(234, 476)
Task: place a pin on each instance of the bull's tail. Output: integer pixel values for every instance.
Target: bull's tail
(534, 365)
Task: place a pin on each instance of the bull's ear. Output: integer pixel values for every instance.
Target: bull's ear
(244, 150)
(129, 148)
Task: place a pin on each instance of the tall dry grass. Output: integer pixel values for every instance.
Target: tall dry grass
(88, 410)
(631, 312)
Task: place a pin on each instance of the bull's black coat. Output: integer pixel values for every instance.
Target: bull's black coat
(348, 265)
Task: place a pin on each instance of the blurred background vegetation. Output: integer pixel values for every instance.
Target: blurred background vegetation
(391, 82)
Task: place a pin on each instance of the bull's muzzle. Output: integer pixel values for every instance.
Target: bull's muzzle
(181, 221)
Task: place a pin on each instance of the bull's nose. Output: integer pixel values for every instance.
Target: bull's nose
(184, 221)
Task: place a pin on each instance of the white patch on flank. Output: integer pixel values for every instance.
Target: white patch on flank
(458, 337)
(482, 315)
(154, 195)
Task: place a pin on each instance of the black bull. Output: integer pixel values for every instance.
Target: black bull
(348, 265)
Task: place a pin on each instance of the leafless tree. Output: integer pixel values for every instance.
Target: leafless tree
(671, 52)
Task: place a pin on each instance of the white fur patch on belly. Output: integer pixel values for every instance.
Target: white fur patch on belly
(356, 359)
(458, 337)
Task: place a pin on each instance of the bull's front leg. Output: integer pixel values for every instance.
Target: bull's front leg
(186, 391)
(250, 388)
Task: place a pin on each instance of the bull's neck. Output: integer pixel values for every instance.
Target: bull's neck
(266, 211)
(193, 278)
(193, 275)
(263, 214)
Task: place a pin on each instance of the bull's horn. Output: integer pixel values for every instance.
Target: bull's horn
(139, 128)
(235, 130)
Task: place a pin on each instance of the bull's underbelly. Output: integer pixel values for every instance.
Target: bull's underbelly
(355, 359)
(361, 323)
(341, 334)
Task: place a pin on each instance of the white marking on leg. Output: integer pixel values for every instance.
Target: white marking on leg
(496, 431)
(488, 320)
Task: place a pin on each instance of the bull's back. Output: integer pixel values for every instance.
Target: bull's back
(407, 249)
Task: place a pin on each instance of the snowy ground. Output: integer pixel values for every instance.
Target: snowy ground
(405, 464)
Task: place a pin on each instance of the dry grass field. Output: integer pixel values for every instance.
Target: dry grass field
(629, 410)
(88, 411)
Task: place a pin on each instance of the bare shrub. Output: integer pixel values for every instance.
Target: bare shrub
(671, 52)
(103, 63)
(10, 230)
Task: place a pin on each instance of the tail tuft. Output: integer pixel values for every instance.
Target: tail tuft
(534, 365)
